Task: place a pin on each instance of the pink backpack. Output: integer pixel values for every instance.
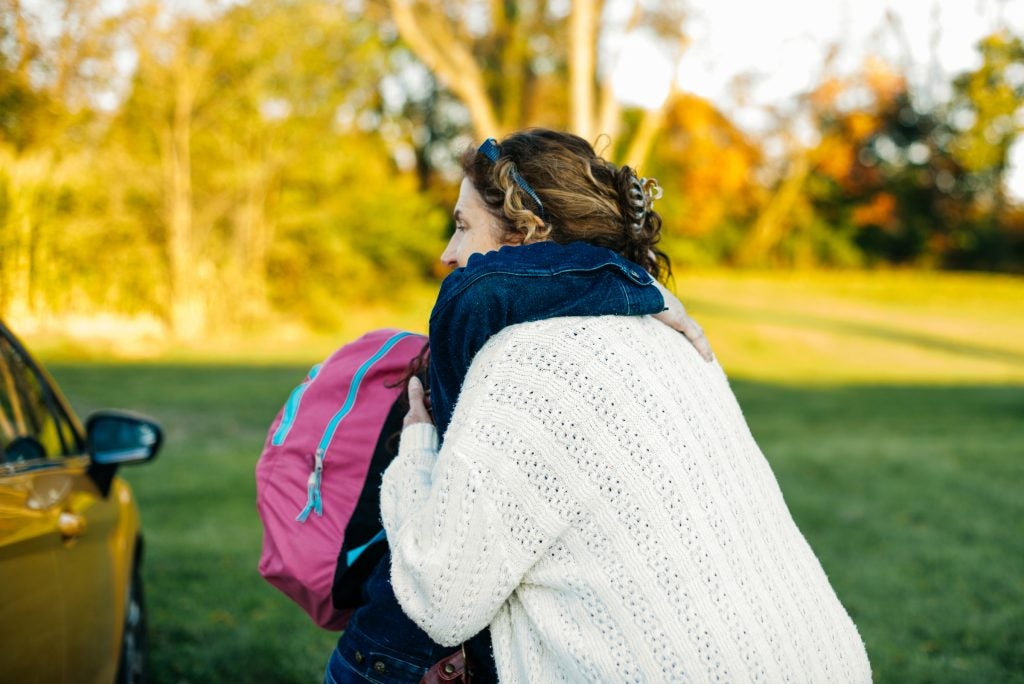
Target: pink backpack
(318, 478)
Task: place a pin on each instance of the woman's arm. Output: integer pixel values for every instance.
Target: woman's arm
(464, 523)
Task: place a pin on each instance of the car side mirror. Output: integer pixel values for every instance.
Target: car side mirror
(120, 437)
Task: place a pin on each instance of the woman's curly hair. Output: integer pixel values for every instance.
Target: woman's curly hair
(584, 196)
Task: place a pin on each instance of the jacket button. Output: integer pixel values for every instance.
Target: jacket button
(379, 667)
(449, 668)
(359, 657)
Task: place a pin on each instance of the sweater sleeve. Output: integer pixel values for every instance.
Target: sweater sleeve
(463, 522)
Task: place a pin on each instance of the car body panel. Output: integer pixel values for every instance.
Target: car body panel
(31, 614)
(66, 558)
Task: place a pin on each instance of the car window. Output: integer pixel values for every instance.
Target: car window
(31, 427)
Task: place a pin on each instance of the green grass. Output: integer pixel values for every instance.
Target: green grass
(911, 497)
(890, 406)
(212, 617)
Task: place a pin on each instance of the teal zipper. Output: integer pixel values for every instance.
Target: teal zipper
(314, 502)
(291, 407)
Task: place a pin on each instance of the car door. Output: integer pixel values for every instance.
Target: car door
(55, 568)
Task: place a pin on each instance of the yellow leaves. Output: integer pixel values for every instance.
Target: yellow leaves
(835, 158)
(994, 42)
(734, 170)
(693, 114)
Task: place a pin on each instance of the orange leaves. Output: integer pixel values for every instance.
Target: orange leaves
(706, 165)
(880, 211)
(861, 124)
(825, 95)
(884, 81)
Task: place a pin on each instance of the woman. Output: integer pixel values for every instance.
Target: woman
(491, 287)
(599, 502)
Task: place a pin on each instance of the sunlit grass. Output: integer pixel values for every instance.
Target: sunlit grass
(212, 618)
(780, 326)
(890, 405)
(861, 326)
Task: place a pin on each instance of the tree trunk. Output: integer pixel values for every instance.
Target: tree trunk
(643, 138)
(252, 234)
(187, 307)
(428, 31)
(429, 35)
(770, 226)
(28, 177)
(582, 65)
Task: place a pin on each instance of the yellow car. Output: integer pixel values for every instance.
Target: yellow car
(71, 603)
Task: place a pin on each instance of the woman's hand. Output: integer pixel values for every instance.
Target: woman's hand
(676, 317)
(417, 405)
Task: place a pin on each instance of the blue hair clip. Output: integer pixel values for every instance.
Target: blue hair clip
(491, 150)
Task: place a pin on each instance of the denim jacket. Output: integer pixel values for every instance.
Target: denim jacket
(494, 290)
(521, 284)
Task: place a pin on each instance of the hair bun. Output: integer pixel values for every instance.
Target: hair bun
(639, 194)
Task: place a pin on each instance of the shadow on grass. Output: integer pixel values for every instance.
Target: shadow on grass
(909, 495)
(846, 327)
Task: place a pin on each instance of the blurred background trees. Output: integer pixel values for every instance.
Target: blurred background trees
(253, 162)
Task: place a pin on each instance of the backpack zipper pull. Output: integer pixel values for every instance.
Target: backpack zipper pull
(313, 500)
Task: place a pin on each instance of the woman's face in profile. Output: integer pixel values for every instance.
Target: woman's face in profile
(476, 229)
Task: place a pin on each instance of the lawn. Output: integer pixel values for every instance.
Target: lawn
(891, 407)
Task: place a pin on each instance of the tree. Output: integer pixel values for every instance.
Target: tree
(982, 114)
(981, 124)
(251, 171)
(514, 64)
(926, 184)
(47, 76)
(707, 166)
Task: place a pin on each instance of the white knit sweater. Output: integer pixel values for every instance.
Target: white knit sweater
(601, 504)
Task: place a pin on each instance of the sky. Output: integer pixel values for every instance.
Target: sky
(781, 45)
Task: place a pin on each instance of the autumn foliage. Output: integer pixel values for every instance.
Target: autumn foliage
(266, 161)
